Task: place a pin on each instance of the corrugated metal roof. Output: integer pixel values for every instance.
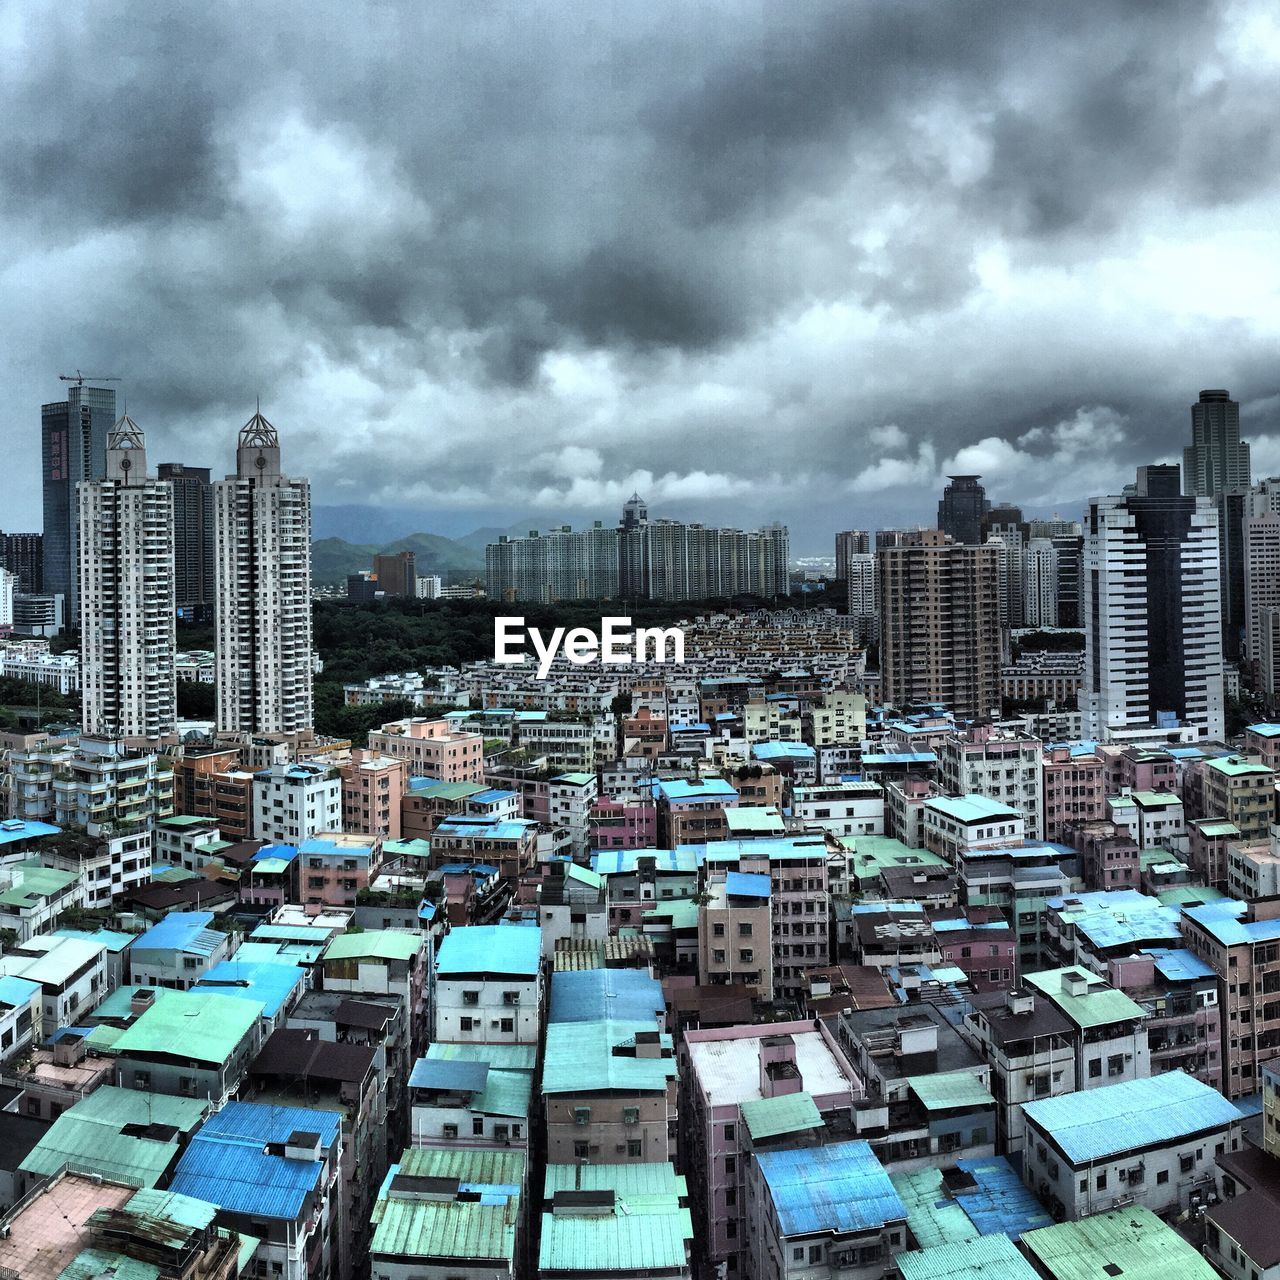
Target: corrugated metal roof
(505, 1057)
(948, 1090)
(375, 944)
(17, 991)
(186, 931)
(95, 1264)
(490, 949)
(580, 1057)
(447, 1229)
(183, 1210)
(441, 1073)
(91, 1135)
(269, 984)
(593, 994)
(1133, 1243)
(192, 1025)
(840, 1187)
(614, 862)
(991, 1258)
(639, 1237)
(624, 1179)
(583, 875)
(227, 1163)
(1095, 1123)
(784, 1113)
(1099, 1004)
(747, 885)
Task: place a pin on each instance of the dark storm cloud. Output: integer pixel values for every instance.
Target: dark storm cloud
(526, 257)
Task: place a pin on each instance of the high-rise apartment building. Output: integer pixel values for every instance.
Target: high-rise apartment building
(1040, 583)
(852, 542)
(73, 447)
(192, 539)
(1153, 631)
(262, 559)
(1006, 524)
(1070, 552)
(640, 560)
(1261, 567)
(23, 555)
(1233, 509)
(127, 639)
(397, 573)
(863, 580)
(8, 582)
(961, 508)
(1216, 459)
(940, 624)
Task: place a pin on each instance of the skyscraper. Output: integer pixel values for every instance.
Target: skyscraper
(1260, 557)
(262, 559)
(853, 542)
(1006, 523)
(192, 539)
(1152, 621)
(940, 624)
(396, 572)
(73, 447)
(1040, 583)
(863, 583)
(961, 508)
(127, 640)
(1216, 459)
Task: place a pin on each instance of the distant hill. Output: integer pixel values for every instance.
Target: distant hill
(332, 559)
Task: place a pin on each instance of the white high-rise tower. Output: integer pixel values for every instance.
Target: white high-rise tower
(127, 638)
(262, 573)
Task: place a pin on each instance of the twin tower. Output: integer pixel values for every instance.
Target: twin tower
(262, 594)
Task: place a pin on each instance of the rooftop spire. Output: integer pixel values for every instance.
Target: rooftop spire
(258, 432)
(126, 434)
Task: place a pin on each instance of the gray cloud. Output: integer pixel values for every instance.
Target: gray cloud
(712, 248)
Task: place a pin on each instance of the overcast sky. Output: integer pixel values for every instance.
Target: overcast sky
(760, 261)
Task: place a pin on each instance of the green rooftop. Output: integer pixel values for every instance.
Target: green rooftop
(581, 1057)
(576, 779)
(406, 848)
(934, 1217)
(584, 875)
(682, 912)
(501, 1057)
(647, 1232)
(35, 885)
(1155, 799)
(448, 790)
(192, 1025)
(1235, 767)
(950, 1090)
(183, 820)
(972, 808)
(784, 1113)
(984, 1258)
(1184, 894)
(1217, 828)
(1131, 1243)
(754, 820)
(106, 1133)
(1096, 1006)
(94, 1264)
(374, 944)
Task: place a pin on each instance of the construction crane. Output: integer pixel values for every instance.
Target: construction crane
(81, 378)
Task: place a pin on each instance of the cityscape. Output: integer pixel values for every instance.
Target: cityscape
(651, 649)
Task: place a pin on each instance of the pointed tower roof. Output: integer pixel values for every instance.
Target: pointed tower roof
(259, 433)
(126, 434)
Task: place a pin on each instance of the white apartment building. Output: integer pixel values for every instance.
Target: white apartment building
(570, 797)
(70, 972)
(1151, 597)
(488, 985)
(1040, 584)
(8, 585)
(262, 572)
(842, 808)
(30, 660)
(1261, 567)
(951, 825)
(127, 604)
(291, 802)
(863, 584)
(1004, 766)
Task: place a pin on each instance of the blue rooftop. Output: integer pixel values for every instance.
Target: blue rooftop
(1178, 964)
(775, 848)
(1265, 730)
(1224, 921)
(679, 789)
(17, 991)
(839, 1187)
(14, 829)
(449, 1073)
(782, 751)
(182, 931)
(1098, 1123)
(612, 862)
(227, 1163)
(285, 852)
(488, 948)
(492, 796)
(741, 884)
(486, 828)
(269, 984)
(319, 844)
(592, 995)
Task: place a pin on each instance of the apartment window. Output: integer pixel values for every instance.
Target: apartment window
(717, 931)
(465, 1024)
(744, 930)
(1161, 1177)
(470, 998)
(477, 1126)
(635, 1149)
(451, 1131)
(579, 1150)
(731, 1164)
(582, 1115)
(1187, 1163)
(508, 1025)
(1095, 1069)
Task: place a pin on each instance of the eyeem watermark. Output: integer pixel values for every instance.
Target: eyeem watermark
(617, 643)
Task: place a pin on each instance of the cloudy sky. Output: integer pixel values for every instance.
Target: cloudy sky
(489, 263)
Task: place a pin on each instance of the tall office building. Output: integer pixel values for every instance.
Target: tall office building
(1152, 621)
(127, 640)
(961, 508)
(1216, 459)
(940, 624)
(73, 447)
(1069, 548)
(1006, 523)
(192, 539)
(863, 582)
(262, 569)
(397, 573)
(23, 555)
(852, 542)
